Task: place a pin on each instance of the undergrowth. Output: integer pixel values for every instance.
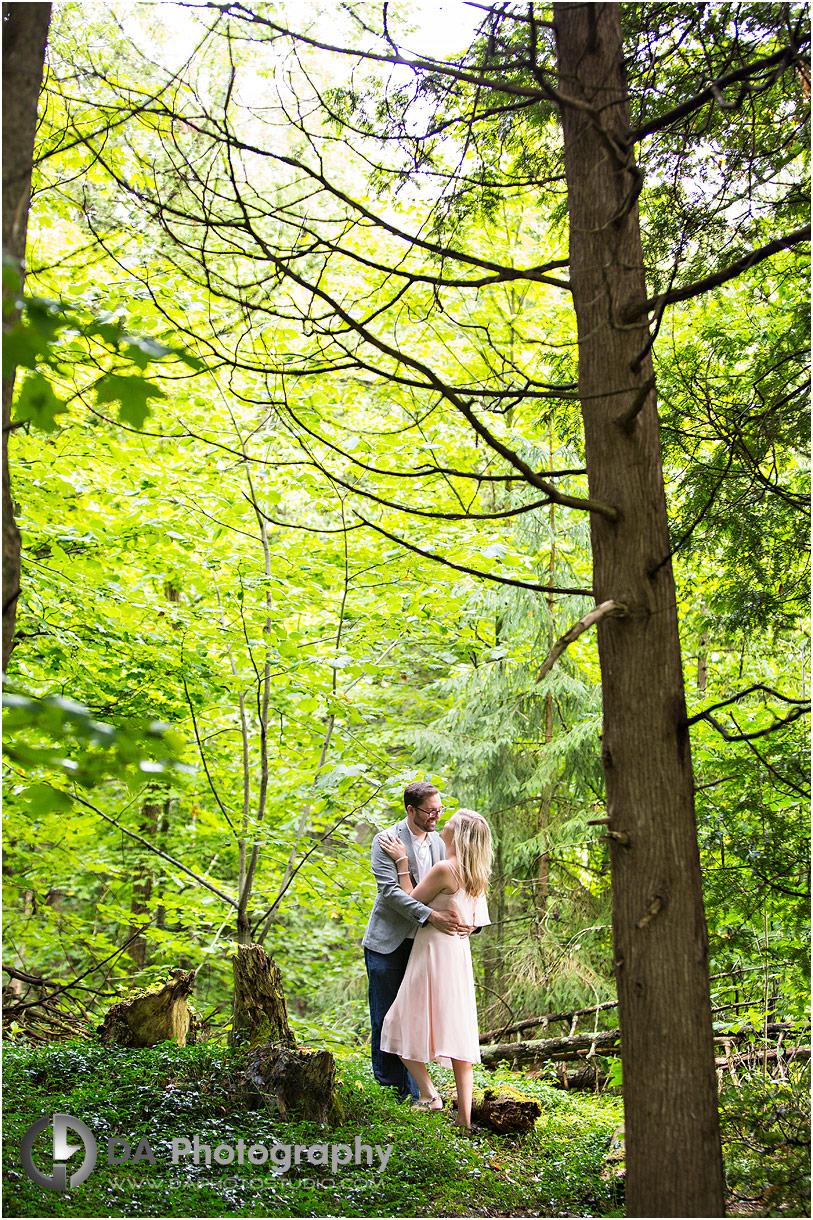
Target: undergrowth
(168, 1093)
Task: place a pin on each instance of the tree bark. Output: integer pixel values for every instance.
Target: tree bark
(156, 1016)
(674, 1163)
(142, 886)
(606, 1042)
(260, 1012)
(297, 1084)
(25, 32)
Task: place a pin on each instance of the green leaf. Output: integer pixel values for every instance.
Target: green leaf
(142, 350)
(43, 798)
(132, 392)
(38, 403)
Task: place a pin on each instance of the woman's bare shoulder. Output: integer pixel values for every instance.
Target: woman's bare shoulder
(446, 870)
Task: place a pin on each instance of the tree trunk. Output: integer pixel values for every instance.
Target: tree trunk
(25, 32)
(674, 1163)
(142, 885)
(260, 1012)
(297, 1084)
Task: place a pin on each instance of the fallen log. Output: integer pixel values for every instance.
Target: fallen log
(159, 1015)
(607, 1042)
(503, 1109)
(494, 1035)
(590, 1074)
(771, 1031)
(756, 1056)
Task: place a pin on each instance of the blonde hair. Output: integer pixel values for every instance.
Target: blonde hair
(472, 840)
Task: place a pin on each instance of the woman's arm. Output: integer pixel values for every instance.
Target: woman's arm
(439, 880)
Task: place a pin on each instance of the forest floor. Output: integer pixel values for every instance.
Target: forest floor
(168, 1093)
(145, 1108)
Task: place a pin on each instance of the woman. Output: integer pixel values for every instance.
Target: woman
(434, 1017)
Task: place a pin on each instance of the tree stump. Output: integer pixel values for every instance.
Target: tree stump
(296, 1083)
(502, 1108)
(613, 1167)
(260, 1013)
(160, 1015)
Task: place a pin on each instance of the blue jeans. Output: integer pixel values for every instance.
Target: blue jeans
(385, 973)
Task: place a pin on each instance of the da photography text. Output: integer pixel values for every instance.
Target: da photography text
(122, 1151)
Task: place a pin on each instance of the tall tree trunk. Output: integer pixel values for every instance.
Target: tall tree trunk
(543, 819)
(142, 883)
(674, 1164)
(25, 32)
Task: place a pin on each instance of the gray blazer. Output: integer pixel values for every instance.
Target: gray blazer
(395, 913)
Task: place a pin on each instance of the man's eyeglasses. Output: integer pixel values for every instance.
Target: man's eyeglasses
(437, 811)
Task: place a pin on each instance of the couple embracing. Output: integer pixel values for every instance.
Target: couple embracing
(431, 897)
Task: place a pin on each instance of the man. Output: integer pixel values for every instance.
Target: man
(395, 919)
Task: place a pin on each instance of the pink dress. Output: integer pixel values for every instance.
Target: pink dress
(434, 1016)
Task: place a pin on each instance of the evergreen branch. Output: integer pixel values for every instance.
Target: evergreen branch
(781, 59)
(608, 608)
(653, 571)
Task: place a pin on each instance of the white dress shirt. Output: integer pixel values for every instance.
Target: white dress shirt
(423, 859)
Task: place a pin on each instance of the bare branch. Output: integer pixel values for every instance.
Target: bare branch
(202, 753)
(606, 609)
(156, 850)
(459, 567)
(800, 707)
(659, 303)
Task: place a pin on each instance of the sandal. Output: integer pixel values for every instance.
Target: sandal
(430, 1103)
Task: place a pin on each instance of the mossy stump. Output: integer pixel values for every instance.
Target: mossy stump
(260, 1013)
(296, 1083)
(159, 1015)
(502, 1108)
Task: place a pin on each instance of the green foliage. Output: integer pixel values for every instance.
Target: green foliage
(51, 339)
(42, 733)
(168, 1093)
(766, 1139)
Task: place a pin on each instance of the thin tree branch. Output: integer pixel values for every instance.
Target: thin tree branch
(75, 982)
(653, 571)
(202, 753)
(459, 567)
(719, 277)
(801, 707)
(785, 58)
(606, 609)
(155, 850)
